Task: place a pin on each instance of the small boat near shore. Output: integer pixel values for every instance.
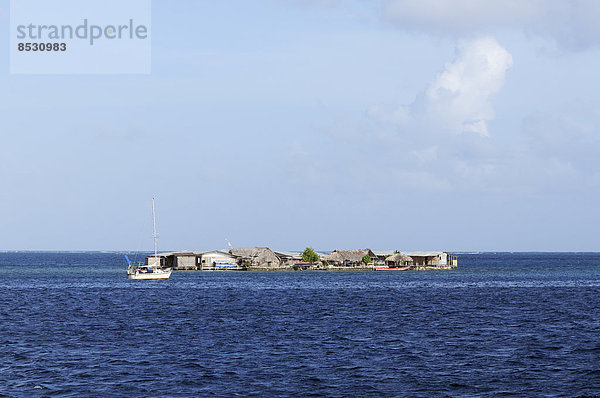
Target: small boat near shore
(153, 270)
(392, 268)
(225, 266)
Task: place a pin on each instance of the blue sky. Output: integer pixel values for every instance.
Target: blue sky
(400, 124)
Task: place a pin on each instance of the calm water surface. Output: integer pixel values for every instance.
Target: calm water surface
(71, 324)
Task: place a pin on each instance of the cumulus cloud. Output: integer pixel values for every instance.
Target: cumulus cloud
(459, 99)
(572, 24)
(461, 95)
(444, 132)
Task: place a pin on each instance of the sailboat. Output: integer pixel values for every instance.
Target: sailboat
(153, 270)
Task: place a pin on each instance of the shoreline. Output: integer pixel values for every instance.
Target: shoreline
(323, 269)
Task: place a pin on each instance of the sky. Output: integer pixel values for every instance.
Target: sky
(454, 125)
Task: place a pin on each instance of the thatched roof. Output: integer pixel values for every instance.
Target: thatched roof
(399, 258)
(258, 256)
(244, 253)
(334, 257)
(263, 255)
(351, 256)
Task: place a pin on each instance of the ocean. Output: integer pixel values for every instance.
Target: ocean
(501, 324)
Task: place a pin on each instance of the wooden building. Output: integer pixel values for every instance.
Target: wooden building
(218, 260)
(185, 260)
(433, 259)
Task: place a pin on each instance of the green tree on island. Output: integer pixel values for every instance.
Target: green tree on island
(366, 259)
(310, 256)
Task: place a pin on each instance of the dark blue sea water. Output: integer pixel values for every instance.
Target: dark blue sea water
(71, 324)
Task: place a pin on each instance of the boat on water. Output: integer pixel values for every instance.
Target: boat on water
(148, 272)
(153, 270)
(225, 266)
(392, 268)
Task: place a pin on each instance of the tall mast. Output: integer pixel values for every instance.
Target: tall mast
(154, 234)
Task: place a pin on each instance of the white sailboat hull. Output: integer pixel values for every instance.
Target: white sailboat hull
(145, 276)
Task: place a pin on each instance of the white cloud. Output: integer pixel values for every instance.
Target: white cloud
(459, 99)
(445, 130)
(445, 140)
(573, 24)
(460, 96)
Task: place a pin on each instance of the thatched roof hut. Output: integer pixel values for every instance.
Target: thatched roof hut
(348, 257)
(257, 256)
(266, 256)
(399, 259)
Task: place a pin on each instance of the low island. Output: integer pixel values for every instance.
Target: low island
(266, 259)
